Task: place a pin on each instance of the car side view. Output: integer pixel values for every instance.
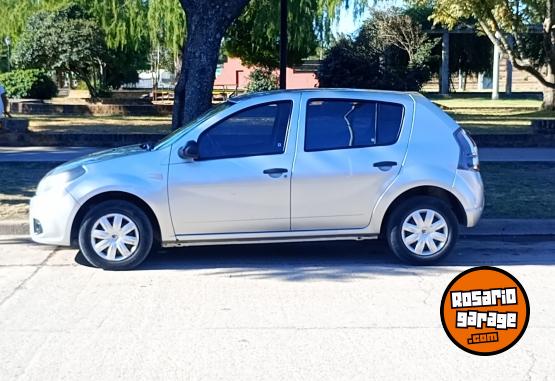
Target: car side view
(281, 166)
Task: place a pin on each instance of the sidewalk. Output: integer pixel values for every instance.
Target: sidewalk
(69, 153)
(44, 153)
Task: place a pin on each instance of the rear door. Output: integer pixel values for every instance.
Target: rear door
(349, 151)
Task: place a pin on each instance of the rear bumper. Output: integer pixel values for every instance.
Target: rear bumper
(473, 216)
(51, 216)
(470, 191)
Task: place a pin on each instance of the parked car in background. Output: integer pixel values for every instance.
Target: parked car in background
(280, 166)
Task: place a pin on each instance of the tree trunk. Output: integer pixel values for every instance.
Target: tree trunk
(207, 22)
(549, 94)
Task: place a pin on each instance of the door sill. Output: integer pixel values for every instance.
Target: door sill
(253, 238)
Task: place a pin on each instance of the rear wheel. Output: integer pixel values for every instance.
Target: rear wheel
(422, 230)
(116, 235)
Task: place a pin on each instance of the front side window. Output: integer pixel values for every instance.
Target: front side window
(338, 124)
(258, 130)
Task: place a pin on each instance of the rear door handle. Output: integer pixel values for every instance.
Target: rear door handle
(274, 171)
(380, 164)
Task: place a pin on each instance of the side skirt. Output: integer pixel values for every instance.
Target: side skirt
(266, 239)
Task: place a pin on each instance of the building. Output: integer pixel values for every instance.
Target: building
(233, 75)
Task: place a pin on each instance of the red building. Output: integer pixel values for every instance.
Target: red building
(234, 75)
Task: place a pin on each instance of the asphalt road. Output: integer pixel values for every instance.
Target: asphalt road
(343, 310)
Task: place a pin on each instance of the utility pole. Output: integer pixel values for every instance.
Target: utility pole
(283, 45)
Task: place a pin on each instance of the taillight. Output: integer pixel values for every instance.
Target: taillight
(468, 156)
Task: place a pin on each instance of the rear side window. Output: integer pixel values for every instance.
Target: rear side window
(339, 124)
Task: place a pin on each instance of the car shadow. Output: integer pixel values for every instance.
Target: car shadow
(342, 260)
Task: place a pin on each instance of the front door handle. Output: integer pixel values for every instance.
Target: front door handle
(274, 171)
(380, 164)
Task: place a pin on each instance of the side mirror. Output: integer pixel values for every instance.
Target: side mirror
(189, 151)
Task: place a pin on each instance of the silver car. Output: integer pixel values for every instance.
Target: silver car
(281, 166)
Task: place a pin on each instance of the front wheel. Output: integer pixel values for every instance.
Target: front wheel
(422, 230)
(116, 235)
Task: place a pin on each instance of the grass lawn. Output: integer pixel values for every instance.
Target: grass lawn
(485, 101)
(513, 190)
(493, 121)
(17, 186)
(519, 190)
(481, 115)
(99, 124)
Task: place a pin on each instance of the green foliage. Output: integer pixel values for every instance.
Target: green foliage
(122, 21)
(63, 40)
(127, 25)
(170, 15)
(508, 24)
(262, 79)
(259, 45)
(469, 52)
(254, 36)
(15, 14)
(32, 83)
(371, 62)
(122, 64)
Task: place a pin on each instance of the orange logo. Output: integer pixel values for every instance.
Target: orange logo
(485, 310)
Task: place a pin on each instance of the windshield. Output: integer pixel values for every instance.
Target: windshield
(169, 139)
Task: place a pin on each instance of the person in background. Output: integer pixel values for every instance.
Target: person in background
(4, 103)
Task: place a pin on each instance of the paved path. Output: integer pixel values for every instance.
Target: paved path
(68, 153)
(43, 153)
(335, 311)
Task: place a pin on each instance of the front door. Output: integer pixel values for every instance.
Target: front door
(351, 153)
(241, 181)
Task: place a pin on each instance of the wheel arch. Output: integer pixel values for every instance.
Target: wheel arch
(111, 196)
(427, 190)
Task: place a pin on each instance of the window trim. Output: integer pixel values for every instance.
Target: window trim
(289, 101)
(352, 100)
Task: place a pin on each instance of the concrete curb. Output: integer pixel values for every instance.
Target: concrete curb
(510, 227)
(486, 227)
(14, 227)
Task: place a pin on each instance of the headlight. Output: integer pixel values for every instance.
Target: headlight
(60, 179)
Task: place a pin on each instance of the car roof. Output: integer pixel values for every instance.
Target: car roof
(342, 91)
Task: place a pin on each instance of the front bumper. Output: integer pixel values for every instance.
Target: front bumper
(51, 216)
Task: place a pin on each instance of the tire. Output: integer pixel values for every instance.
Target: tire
(112, 248)
(400, 238)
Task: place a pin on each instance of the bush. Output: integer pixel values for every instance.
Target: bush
(370, 62)
(262, 79)
(32, 83)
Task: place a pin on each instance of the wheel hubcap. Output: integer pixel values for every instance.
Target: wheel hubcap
(114, 237)
(425, 232)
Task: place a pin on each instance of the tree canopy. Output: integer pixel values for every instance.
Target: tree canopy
(511, 24)
(127, 25)
(254, 36)
(63, 40)
(388, 53)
